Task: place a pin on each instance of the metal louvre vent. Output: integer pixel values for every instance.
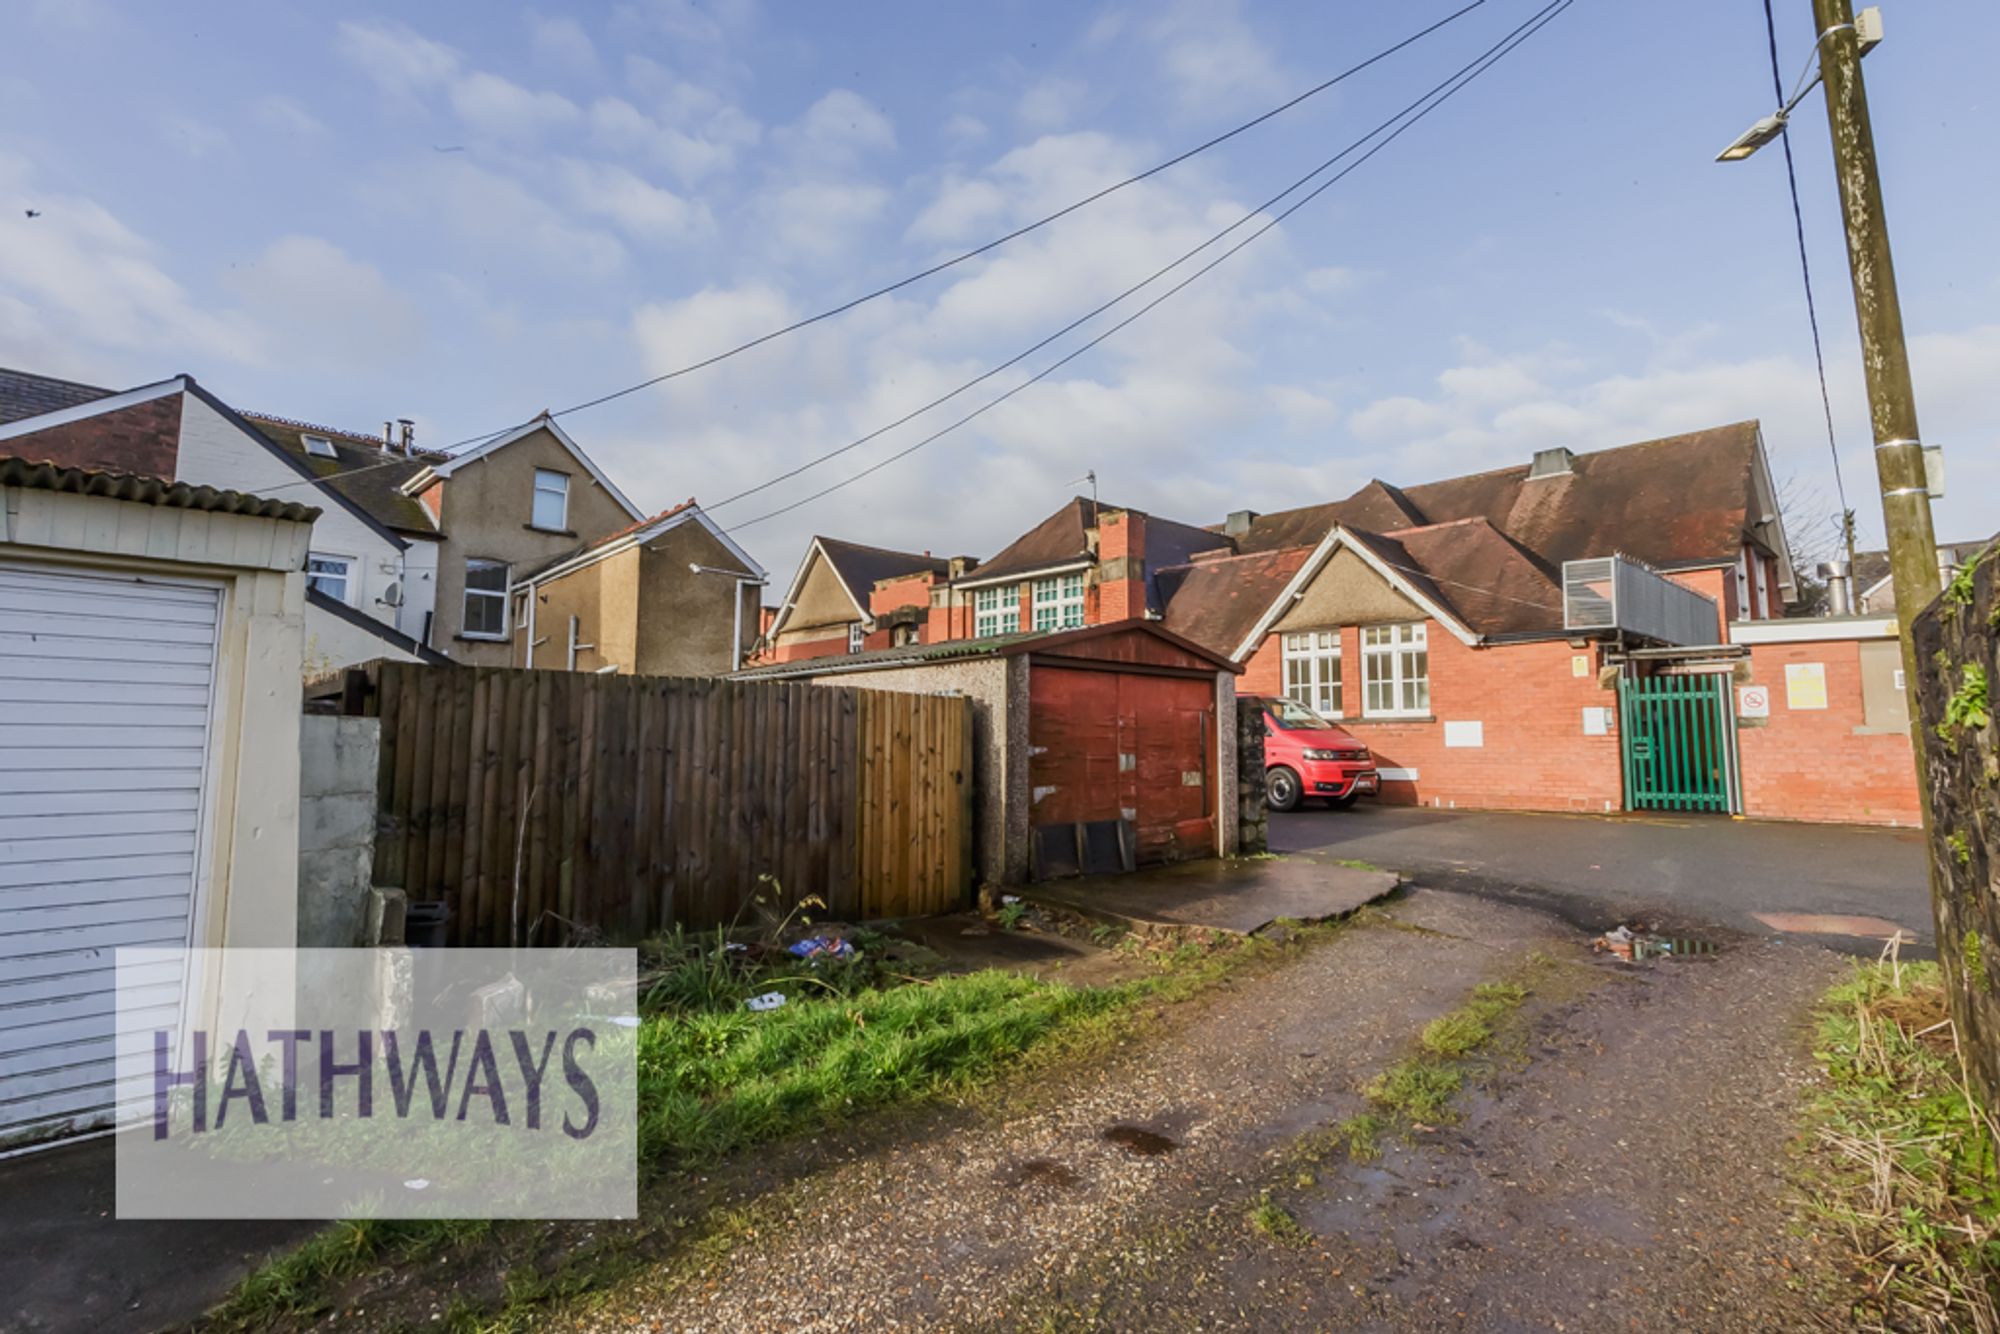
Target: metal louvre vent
(1618, 593)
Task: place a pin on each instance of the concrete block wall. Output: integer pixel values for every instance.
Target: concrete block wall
(337, 764)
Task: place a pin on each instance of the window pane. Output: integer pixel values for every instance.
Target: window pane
(551, 500)
(329, 575)
(487, 575)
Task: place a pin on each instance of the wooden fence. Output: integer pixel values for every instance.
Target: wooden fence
(555, 802)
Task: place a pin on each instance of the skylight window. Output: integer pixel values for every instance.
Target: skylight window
(319, 446)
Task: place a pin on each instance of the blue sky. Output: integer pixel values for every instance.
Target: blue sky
(466, 212)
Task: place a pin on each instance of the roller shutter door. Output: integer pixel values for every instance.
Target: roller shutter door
(106, 694)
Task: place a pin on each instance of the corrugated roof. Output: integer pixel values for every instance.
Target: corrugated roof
(148, 491)
(360, 471)
(24, 394)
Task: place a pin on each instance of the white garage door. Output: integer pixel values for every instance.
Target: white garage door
(105, 698)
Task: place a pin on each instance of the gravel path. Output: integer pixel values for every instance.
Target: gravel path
(1623, 1172)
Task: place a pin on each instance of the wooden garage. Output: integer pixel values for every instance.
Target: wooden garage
(1097, 749)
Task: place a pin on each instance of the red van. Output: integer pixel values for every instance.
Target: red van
(1307, 756)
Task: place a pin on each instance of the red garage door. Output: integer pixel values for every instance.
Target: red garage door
(1111, 746)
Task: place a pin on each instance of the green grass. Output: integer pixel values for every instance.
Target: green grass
(1356, 864)
(1908, 1158)
(1274, 1221)
(716, 1079)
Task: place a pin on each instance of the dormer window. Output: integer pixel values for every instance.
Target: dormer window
(551, 510)
(319, 446)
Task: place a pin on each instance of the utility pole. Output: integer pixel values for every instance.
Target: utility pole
(1885, 362)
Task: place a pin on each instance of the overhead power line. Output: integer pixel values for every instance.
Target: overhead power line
(1805, 273)
(1409, 116)
(935, 269)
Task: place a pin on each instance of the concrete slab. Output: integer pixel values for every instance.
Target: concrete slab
(1240, 896)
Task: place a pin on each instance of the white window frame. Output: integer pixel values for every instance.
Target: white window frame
(1316, 653)
(857, 636)
(346, 577)
(549, 482)
(996, 610)
(319, 446)
(1385, 654)
(468, 592)
(1058, 602)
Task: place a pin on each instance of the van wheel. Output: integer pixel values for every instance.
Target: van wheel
(1281, 789)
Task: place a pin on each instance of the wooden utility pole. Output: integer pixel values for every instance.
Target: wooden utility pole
(1892, 407)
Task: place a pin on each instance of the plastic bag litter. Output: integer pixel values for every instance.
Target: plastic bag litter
(820, 947)
(770, 1000)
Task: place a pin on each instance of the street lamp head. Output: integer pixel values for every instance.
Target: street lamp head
(1754, 138)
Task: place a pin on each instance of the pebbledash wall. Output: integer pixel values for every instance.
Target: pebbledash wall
(1511, 727)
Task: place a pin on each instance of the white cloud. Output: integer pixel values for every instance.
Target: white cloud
(623, 128)
(638, 207)
(838, 130)
(496, 106)
(321, 305)
(1212, 58)
(398, 59)
(286, 116)
(963, 130)
(498, 214)
(962, 208)
(77, 278)
(562, 42)
(819, 219)
(195, 138)
(1051, 104)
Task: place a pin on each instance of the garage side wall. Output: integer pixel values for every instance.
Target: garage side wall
(1836, 747)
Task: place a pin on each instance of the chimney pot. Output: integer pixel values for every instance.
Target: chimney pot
(1839, 598)
(388, 437)
(409, 433)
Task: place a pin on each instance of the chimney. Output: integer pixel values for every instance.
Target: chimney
(409, 433)
(1551, 463)
(388, 437)
(1238, 522)
(1121, 565)
(957, 567)
(1839, 601)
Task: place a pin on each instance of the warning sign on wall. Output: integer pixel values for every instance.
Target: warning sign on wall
(1805, 685)
(1753, 701)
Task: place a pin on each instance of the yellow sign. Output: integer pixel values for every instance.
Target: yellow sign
(1805, 685)
(1579, 664)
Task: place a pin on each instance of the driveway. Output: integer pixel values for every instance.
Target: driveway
(1596, 871)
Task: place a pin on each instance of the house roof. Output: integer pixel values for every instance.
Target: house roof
(1215, 602)
(638, 534)
(1468, 566)
(545, 422)
(1872, 567)
(1676, 502)
(1064, 539)
(860, 567)
(359, 470)
(992, 646)
(25, 394)
(148, 491)
(381, 630)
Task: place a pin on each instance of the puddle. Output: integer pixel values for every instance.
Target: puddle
(1139, 1141)
(1040, 1172)
(1833, 924)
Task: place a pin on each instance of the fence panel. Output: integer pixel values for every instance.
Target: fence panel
(541, 804)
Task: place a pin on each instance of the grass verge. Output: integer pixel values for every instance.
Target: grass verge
(1908, 1156)
(715, 1079)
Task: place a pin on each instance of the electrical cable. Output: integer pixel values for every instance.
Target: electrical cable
(1805, 273)
(1436, 98)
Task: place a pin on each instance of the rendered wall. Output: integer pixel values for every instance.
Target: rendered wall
(337, 762)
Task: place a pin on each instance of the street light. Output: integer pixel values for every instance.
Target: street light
(736, 628)
(1867, 28)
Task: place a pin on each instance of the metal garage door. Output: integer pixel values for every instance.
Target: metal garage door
(105, 700)
(1136, 748)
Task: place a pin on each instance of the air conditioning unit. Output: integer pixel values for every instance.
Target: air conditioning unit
(392, 596)
(1622, 594)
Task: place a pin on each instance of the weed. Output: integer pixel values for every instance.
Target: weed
(1106, 934)
(1010, 914)
(1961, 847)
(1416, 1090)
(1273, 1220)
(1356, 864)
(1912, 1177)
(1960, 590)
(1968, 708)
(1361, 1136)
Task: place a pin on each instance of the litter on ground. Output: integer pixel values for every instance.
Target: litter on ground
(770, 1000)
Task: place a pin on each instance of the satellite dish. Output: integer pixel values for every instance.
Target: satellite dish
(392, 596)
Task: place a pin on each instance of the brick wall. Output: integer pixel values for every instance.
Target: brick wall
(1824, 764)
(894, 594)
(1121, 567)
(1529, 702)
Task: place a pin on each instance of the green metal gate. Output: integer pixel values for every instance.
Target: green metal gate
(1678, 734)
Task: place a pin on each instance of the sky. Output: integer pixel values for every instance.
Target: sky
(466, 212)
